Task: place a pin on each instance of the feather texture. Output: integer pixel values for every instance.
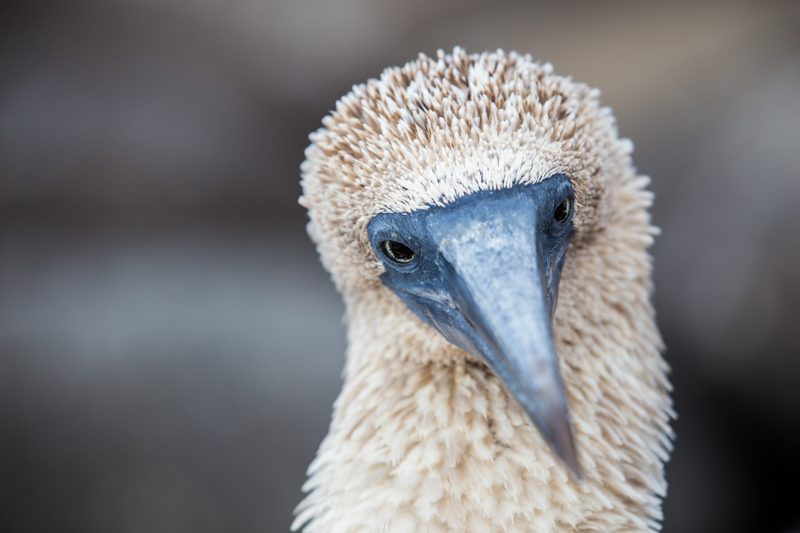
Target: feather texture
(423, 436)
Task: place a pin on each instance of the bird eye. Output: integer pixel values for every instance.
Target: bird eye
(397, 251)
(563, 210)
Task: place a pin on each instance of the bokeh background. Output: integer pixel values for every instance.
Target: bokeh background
(169, 345)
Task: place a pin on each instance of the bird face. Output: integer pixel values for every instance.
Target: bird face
(484, 271)
(452, 188)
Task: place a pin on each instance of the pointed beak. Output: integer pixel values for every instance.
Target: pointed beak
(505, 286)
(486, 275)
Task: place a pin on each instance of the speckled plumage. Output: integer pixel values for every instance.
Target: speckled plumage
(423, 436)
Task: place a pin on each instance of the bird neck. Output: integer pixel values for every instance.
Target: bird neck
(425, 437)
(427, 444)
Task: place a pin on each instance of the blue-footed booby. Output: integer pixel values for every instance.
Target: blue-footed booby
(489, 234)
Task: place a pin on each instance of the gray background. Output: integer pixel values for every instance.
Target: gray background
(169, 345)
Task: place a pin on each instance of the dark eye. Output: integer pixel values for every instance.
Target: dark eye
(397, 251)
(563, 210)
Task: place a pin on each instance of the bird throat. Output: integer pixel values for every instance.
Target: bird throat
(432, 440)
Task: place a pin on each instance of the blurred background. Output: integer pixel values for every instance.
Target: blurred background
(169, 345)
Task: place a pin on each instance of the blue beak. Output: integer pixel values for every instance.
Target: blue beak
(485, 274)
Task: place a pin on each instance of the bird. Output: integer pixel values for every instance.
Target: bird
(490, 237)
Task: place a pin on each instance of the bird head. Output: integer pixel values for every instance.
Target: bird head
(457, 199)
